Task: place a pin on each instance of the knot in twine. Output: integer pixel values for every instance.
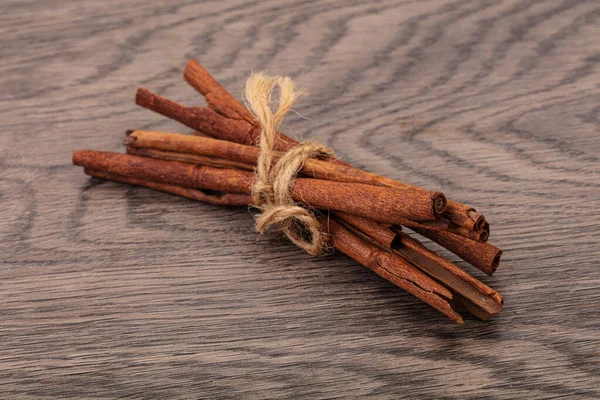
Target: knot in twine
(272, 183)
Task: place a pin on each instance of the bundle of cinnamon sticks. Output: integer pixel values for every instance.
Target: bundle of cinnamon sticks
(361, 213)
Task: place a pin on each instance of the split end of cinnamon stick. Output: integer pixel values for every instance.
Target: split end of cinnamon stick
(129, 140)
(439, 202)
(484, 234)
(495, 262)
(478, 219)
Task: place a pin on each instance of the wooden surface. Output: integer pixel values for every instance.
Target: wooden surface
(113, 291)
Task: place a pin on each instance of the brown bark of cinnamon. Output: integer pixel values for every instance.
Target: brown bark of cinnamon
(249, 155)
(386, 204)
(464, 216)
(483, 256)
(477, 235)
(450, 274)
(216, 162)
(219, 98)
(198, 118)
(484, 233)
(380, 233)
(218, 198)
(481, 299)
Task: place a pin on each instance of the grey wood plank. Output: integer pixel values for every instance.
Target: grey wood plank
(113, 291)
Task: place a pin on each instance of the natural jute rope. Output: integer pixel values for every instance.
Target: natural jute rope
(272, 183)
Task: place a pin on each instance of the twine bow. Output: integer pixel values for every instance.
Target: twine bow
(272, 183)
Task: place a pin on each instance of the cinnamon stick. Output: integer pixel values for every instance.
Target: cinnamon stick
(216, 162)
(377, 233)
(216, 198)
(202, 146)
(201, 119)
(464, 216)
(484, 233)
(477, 235)
(483, 256)
(219, 98)
(384, 204)
(450, 274)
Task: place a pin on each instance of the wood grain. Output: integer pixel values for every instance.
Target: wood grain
(113, 291)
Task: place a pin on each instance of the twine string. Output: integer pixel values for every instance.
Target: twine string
(272, 183)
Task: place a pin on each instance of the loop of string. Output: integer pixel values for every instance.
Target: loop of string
(272, 183)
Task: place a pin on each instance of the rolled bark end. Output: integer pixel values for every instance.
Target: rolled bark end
(478, 220)
(484, 235)
(495, 262)
(439, 202)
(129, 140)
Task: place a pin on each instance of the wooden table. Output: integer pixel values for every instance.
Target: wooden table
(110, 291)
